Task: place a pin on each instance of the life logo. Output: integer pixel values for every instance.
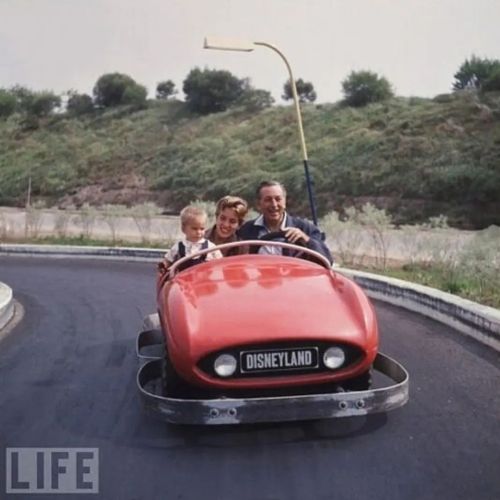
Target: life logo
(52, 470)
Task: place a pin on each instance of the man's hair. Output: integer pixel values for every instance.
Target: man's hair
(239, 205)
(264, 184)
(191, 212)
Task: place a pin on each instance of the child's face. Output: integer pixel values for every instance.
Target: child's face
(195, 229)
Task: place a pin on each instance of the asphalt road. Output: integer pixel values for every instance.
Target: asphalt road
(67, 379)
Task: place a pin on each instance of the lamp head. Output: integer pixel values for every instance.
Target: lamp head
(217, 43)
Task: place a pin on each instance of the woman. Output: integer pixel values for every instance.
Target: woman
(229, 214)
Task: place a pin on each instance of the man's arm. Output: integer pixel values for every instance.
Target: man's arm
(313, 236)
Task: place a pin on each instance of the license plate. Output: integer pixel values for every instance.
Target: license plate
(297, 358)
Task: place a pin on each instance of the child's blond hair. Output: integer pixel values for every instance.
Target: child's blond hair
(190, 213)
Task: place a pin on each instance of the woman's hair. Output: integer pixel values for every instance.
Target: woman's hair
(239, 205)
(191, 212)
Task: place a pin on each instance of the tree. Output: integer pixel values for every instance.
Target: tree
(305, 91)
(211, 91)
(7, 103)
(363, 87)
(135, 95)
(24, 97)
(43, 103)
(113, 89)
(493, 82)
(473, 73)
(255, 99)
(165, 89)
(79, 104)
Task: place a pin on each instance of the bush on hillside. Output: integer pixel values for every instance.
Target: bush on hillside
(305, 91)
(43, 104)
(79, 104)
(114, 89)
(474, 72)
(255, 99)
(34, 104)
(7, 103)
(211, 91)
(135, 96)
(364, 87)
(493, 82)
(23, 96)
(165, 89)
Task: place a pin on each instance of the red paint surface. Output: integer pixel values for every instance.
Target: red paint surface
(258, 299)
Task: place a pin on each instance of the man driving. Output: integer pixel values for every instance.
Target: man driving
(271, 203)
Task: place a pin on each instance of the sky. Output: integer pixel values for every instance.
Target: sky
(417, 45)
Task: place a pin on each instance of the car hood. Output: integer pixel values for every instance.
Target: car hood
(259, 299)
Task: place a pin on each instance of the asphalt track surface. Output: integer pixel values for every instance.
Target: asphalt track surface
(67, 379)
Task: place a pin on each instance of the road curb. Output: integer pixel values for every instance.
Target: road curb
(475, 320)
(6, 304)
(85, 252)
(470, 318)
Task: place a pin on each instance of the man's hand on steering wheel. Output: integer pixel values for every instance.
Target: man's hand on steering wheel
(295, 235)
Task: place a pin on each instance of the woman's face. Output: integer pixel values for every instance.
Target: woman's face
(226, 223)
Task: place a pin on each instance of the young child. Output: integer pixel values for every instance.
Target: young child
(193, 225)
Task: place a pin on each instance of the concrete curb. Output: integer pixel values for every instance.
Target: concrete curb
(84, 252)
(478, 321)
(6, 305)
(470, 318)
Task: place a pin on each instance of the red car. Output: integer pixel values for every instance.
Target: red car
(253, 338)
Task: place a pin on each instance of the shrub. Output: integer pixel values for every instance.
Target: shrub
(256, 99)
(363, 87)
(79, 104)
(7, 103)
(492, 83)
(210, 91)
(143, 217)
(135, 96)
(474, 72)
(165, 89)
(43, 104)
(113, 89)
(305, 91)
(110, 215)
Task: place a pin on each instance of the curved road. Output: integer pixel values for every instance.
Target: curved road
(67, 379)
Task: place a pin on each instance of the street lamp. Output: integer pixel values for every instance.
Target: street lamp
(218, 43)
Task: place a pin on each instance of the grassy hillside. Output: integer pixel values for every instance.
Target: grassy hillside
(415, 157)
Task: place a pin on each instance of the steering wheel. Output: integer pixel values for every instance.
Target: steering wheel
(277, 235)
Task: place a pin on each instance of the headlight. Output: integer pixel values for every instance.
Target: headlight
(225, 365)
(333, 357)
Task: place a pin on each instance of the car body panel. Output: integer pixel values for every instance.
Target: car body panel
(258, 300)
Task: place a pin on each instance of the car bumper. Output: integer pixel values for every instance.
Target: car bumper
(266, 409)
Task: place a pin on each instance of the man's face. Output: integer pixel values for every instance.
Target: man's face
(272, 204)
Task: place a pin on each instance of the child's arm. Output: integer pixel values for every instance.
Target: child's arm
(164, 265)
(168, 259)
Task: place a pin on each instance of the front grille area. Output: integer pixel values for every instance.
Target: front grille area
(281, 359)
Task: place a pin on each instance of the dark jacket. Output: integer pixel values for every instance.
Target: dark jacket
(249, 231)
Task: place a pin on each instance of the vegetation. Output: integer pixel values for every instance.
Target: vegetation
(429, 254)
(478, 74)
(414, 157)
(211, 91)
(114, 89)
(305, 91)
(364, 87)
(165, 89)
(7, 103)
(253, 100)
(79, 104)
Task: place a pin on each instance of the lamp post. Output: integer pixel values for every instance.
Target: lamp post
(248, 46)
